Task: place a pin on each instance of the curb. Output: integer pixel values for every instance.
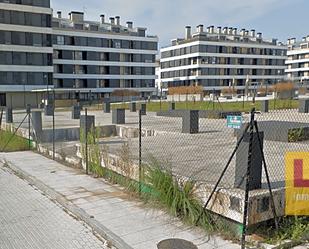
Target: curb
(100, 229)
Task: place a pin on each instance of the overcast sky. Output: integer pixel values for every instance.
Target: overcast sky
(166, 18)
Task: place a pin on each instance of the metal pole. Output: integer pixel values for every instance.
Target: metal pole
(267, 177)
(54, 104)
(86, 142)
(140, 151)
(245, 214)
(29, 128)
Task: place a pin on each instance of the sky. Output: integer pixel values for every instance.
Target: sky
(279, 19)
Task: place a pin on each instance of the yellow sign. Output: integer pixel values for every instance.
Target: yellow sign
(297, 183)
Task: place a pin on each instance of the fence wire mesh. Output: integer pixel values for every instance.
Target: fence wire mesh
(195, 147)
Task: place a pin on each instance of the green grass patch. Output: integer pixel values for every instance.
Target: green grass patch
(16, 143)
(221, 106)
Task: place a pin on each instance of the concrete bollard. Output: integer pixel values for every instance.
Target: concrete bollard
(190, 122)
(265, 106)
(49, 110)
(172, 106)
(36, 117)
(87, 124)
(132, 107)
(28, 109)
(76, 112)
(242, 163)
(303, 106)
(143, 109)
(9, 115)
(107, 107)
(118, 116)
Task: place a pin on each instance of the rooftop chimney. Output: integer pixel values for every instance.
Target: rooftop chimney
(235, 31)
(304, 39)
(288, 41)
(307, 38)
(112, 20)
(293, 40)
(76, 16)
(259, 35)
(230, 31)
(188, 32)
(117, 20)
(247, 33)
(219, 30)
(102, 18)
(130, 25)
(242, 32)
(212, 29)
(252, 32)
(225, 30)
(200, 28)
(59, 14)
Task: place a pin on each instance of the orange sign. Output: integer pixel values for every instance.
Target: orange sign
(297, 183)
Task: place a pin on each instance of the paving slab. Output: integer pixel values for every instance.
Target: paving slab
(134, 224)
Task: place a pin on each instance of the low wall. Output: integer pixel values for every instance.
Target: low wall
(202, 114)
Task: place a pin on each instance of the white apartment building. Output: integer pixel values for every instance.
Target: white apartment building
(25, 51)
(102, 56)
(217, 58)
(298, 60)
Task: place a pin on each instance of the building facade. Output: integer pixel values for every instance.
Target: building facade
(298, 60)
(221, 57)
(25, 51)
(100, 57)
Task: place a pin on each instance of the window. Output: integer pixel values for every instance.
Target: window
(60, 40)
(37, 39)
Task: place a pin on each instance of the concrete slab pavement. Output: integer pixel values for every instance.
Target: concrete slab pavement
(111, 211)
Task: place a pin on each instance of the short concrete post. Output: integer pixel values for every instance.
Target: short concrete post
(118, 116)
(242, 163)
(190, 122)
(265, 106)
(133, 107)
(304, 106)
(49, 110)
(9, 115)
(143, 109)
(172, 106)
(75, 112)
(37, 123)
(107, 107)
(87, 125)
(28, 109)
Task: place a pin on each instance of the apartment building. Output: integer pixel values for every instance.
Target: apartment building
(217, 58)
(298, 60)
(25, 51)
(98, 57)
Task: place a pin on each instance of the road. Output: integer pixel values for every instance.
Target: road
(28, 219)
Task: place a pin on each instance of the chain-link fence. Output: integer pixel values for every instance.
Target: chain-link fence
(191, 157)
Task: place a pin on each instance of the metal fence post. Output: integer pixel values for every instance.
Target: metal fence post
(246, 206)
(140, 150)
(54, 105)
(86, 142)
(29, 126)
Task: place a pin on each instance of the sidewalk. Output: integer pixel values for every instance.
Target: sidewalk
(127, 223)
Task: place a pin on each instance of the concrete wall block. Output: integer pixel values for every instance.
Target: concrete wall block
(304, 106)
(37, 123)
(172, 106)
(242, 163)
(143, 109)
(107, 107)
(87, 124)
(49, 110)
(190, 122)
(132, 106)
(265, 106)
(9, 115)
(118, 116)
(76, 112)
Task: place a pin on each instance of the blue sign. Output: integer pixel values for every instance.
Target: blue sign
(234, 122)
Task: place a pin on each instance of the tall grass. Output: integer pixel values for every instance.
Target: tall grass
(12, 143)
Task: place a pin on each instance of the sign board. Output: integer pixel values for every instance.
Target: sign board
(297, 183)
(234, 122)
